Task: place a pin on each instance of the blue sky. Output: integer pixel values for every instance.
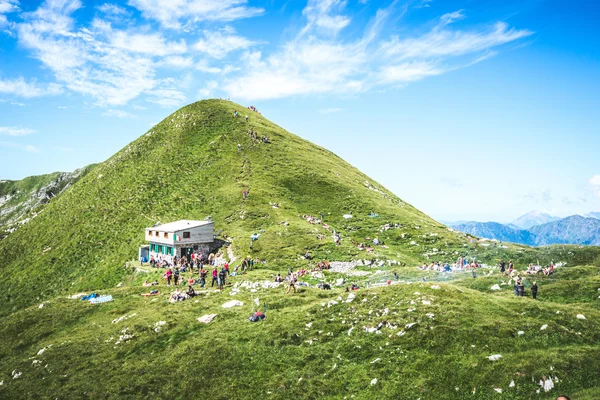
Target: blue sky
(467, 109)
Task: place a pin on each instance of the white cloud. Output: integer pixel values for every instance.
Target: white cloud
(117, 113)
(15, 131)
(217, 44)
(172, 13)
(177, 62)
(18, 146)
(115, 66)
(408, 72)
(167, 94)
(325, 15)
(112, 66)
(595, 184)
(208, 89)
(311, 63)
(150, 44)
(331, 110)
(449, 18)
(7, 7)
(113, 10)
(447, 43)
(21, 88)
(203, 66)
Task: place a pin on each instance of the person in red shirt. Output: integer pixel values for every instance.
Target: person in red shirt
(214, 277)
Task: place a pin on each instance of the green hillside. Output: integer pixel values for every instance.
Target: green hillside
(435, 342)
(436, 330)
(22, 200)
(189, 167)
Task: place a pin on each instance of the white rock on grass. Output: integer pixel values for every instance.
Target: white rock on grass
(435, 287)
(351, 298)
(580, 316)
(374, 381)
(496, 287)
(543, 328)
(41, 305)
(205, 319)
(157, 326)
(232, 303)
(350, 331)
(430, 315)
(16, 374)
(499, 390)
(512, 384)
(494, 357)
(408, 326)
(520, 333)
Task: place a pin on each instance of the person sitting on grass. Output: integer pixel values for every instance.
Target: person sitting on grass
(191, 292)
(177, 296)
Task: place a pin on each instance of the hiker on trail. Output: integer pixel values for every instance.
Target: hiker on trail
(520, 288)
(250, 264)
(168, 275)
(239, 147)
(222, 276)
(202, 277)
(534, 289)
(502, 267)
(245, 194)
(293, 279)
(246, 118)
(214, 277)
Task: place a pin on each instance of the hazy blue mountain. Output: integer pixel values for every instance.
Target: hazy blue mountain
(593, 215)
(494, 230)
(533, 218)
(572, 230)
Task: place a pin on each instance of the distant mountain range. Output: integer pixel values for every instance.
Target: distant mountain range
(539, 229)
(533, 218)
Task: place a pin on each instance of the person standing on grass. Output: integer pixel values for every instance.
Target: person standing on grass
(176, 276)
(534, 289)
(214, 277)
(222, 276)
(293, 278)
(520, 288)
(168, 275)
(245, 194)
(202, 276)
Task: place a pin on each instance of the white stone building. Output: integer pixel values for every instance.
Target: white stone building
(178, 239)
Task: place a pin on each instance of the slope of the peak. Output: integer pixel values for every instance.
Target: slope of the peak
(190, 166)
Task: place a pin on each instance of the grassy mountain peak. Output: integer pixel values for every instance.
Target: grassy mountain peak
(189, 166)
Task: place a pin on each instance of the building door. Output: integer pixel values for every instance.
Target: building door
(186, 252)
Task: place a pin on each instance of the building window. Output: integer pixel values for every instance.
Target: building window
(166, 235)
(156, 233)
(186, 235)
